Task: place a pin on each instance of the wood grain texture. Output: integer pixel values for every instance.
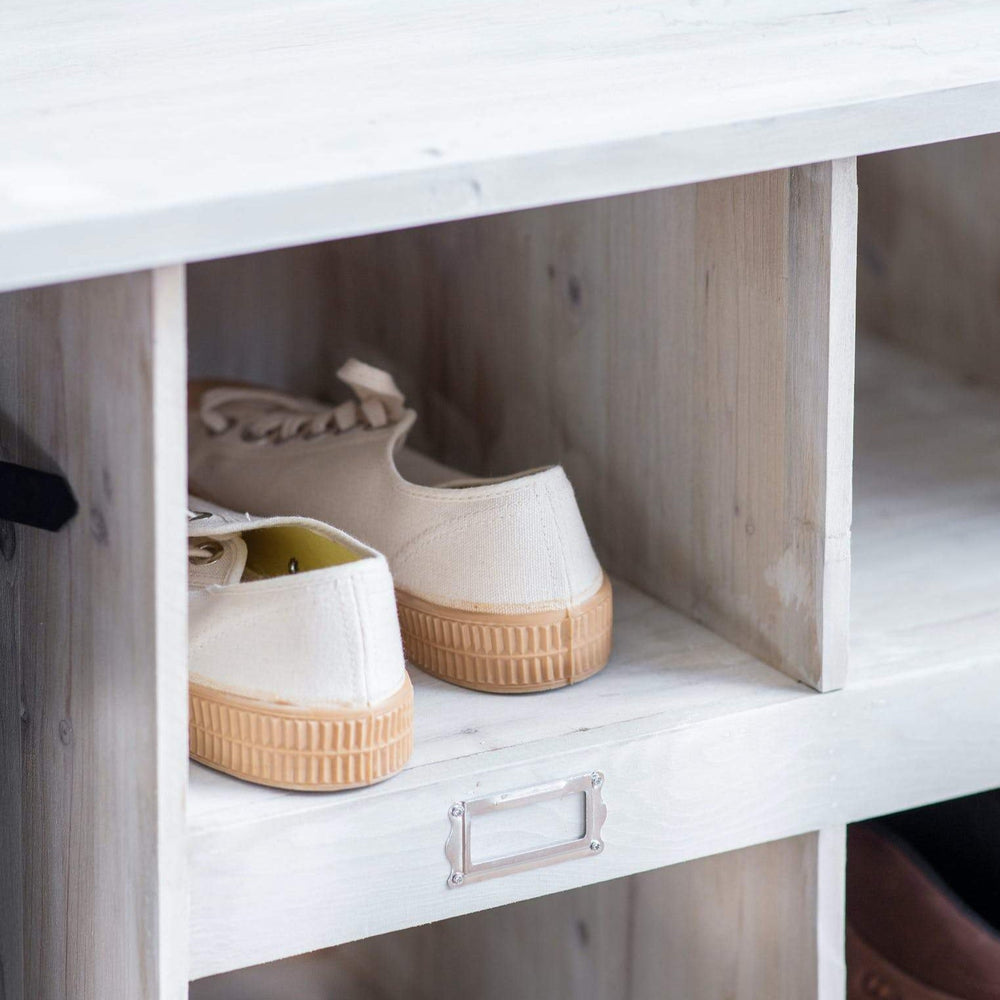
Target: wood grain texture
(693, 735)
(737, 926)
(740, 926)
(698, 760)
(929, 267)
(927, 517)
(95, 388)
(370, 116)
(686, 354)
(11, 862)
(305, 977)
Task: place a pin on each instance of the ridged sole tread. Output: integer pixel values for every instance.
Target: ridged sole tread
(307, 749)
(508, 654)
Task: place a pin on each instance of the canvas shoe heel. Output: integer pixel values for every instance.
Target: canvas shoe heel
(297, 677)
(508, 653)
(497, 582)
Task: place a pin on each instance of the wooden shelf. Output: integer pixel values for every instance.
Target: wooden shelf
(249, 126)
(705, 749)
(667, 674)
(926, 582)
(666, 671)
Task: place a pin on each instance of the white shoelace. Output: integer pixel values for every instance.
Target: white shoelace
(283, 417)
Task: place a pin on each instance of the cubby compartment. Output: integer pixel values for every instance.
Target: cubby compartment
(926, 554)
(686, 354)
(926, 582)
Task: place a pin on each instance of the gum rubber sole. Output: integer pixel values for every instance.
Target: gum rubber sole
(508, 654)
(307, 749)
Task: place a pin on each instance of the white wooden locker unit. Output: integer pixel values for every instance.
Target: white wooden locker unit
(633, 231)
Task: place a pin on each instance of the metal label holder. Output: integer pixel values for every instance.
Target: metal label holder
(458, 847)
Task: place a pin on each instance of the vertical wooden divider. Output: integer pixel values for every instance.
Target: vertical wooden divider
(687, 354)
(95, 660)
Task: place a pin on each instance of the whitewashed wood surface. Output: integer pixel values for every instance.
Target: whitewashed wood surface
(278, 876)
(134, 135)
(707, 763)
(929, 252)
(705, 749)
(686, 354)
(93, 386)
(666, 671)
(766, 921)
(926, 584)
(763, 922)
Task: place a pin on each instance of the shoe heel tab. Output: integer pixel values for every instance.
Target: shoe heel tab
(554, 478)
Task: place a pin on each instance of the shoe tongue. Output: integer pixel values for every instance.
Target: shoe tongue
(372, 384)
(224, 563)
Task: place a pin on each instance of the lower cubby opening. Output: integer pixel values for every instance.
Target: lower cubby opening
(762, 921)
(922, 901)
(918, 917)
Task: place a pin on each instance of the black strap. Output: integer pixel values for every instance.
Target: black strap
(37, 499)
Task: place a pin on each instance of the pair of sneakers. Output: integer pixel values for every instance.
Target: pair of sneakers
(298, 628)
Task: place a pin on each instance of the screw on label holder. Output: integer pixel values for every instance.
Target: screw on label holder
(462, 815)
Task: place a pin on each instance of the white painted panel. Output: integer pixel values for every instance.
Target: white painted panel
(99, 613)
(197, 130)
(276, 873)
(926, 518)
(750, 924)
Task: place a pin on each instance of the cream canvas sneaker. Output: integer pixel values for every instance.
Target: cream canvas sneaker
(296, 666)
(497, 584)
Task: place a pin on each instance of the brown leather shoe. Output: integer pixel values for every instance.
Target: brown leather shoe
(910, 937)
